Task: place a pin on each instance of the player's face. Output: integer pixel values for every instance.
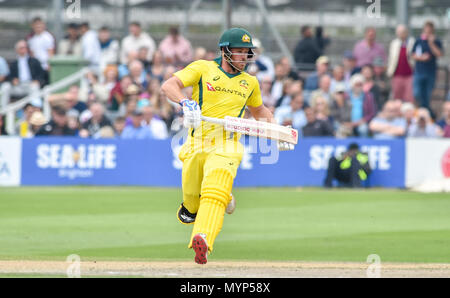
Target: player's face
(239, 57)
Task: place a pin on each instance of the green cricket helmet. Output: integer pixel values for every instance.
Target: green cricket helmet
(236, 38)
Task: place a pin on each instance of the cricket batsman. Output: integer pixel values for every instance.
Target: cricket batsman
(211, 155)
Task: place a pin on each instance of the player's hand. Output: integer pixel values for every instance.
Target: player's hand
(285, 146)
(192, 113)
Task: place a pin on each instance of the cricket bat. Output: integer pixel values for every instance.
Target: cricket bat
(256, 128)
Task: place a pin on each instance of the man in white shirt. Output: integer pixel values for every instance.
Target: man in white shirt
(91, 46)
(136, 40)
(42, 43)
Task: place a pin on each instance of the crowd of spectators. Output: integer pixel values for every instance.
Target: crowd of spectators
(369, 93)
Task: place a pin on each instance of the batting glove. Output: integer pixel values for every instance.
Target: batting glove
(285, 146)
(192, 113)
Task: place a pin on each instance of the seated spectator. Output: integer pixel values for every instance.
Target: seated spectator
(110, 77)
(109, 48)
(350, 170)
(137, 130)
(349, 64)
(26, 74)
(408, 111)
(315, 127)
(37, 120)
(2, 126)
(291, 88)
(288, 70)
(134, 41)
(118, 93)
(307, 50)
(119, 125)
(41, 44)
(157, 68)
(312, 81)
(163, 108)
(292, 114)
(90, 45)
(266, 93)
(176, 49)
(124, 69)
(363, 106)
(142, 57)
(70, 45)
(279, 81)
(263, 63)
(341, 113)
(57, 126)
(157, 126)
(444, 123)
(322, 110)
(338, 78)
(323, 91)
(24, 127)
(73, 121)
(387, 124)
(93, 90)
(423, 126)
(138, 75)
(69, 100)
(98, 120)
(199, 54)
(370, 86)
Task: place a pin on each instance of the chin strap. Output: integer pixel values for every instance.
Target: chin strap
(228, 53)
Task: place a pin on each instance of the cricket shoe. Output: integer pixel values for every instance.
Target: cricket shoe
(200, 247)
(231, 205)
(184, 216)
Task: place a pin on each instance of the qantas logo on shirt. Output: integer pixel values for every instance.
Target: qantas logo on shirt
(210, 87)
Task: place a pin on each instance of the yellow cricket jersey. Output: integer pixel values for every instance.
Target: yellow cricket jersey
(218, 94)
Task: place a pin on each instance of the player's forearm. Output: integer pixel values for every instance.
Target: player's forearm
(172, 89)
(262, 113)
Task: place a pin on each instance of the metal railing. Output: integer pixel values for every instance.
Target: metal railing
(11, 109)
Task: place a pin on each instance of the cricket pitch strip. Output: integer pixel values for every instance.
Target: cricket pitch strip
(223, 269)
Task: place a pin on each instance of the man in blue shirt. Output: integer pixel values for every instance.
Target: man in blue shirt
(425, 52)
(137, 130)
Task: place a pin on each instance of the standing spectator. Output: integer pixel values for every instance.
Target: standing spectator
(70, 45)
(98, 120)
(176, 49)
(426, 50)
(366, 50)
(444, 123)
(90, 45)
(322, 40)
(423, 126)
(42, 44)
(401, 64)
(266, 93)
(26, 75)
(307, 51)
(387, 124)
(157, 126)
(136, 40)
(370, 86)
(323, 91)
(363, 106)
(136, 130)
(381, 79)
(109, 48)
(316, 127)
(57, 126)
(292, 114)
(312, 81)
(4, 70)
(341, 112)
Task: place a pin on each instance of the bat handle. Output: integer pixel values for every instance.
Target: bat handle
(214, 120)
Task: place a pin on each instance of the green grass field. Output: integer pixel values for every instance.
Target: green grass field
(130, 223)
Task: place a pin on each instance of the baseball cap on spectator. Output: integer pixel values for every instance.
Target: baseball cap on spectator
(340, 87)
(132, 90)
(322, 59)
(38, 118)
(144, 102)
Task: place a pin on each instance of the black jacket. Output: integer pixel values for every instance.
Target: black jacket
(51, 129)
(307, 51)
(36, 71)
